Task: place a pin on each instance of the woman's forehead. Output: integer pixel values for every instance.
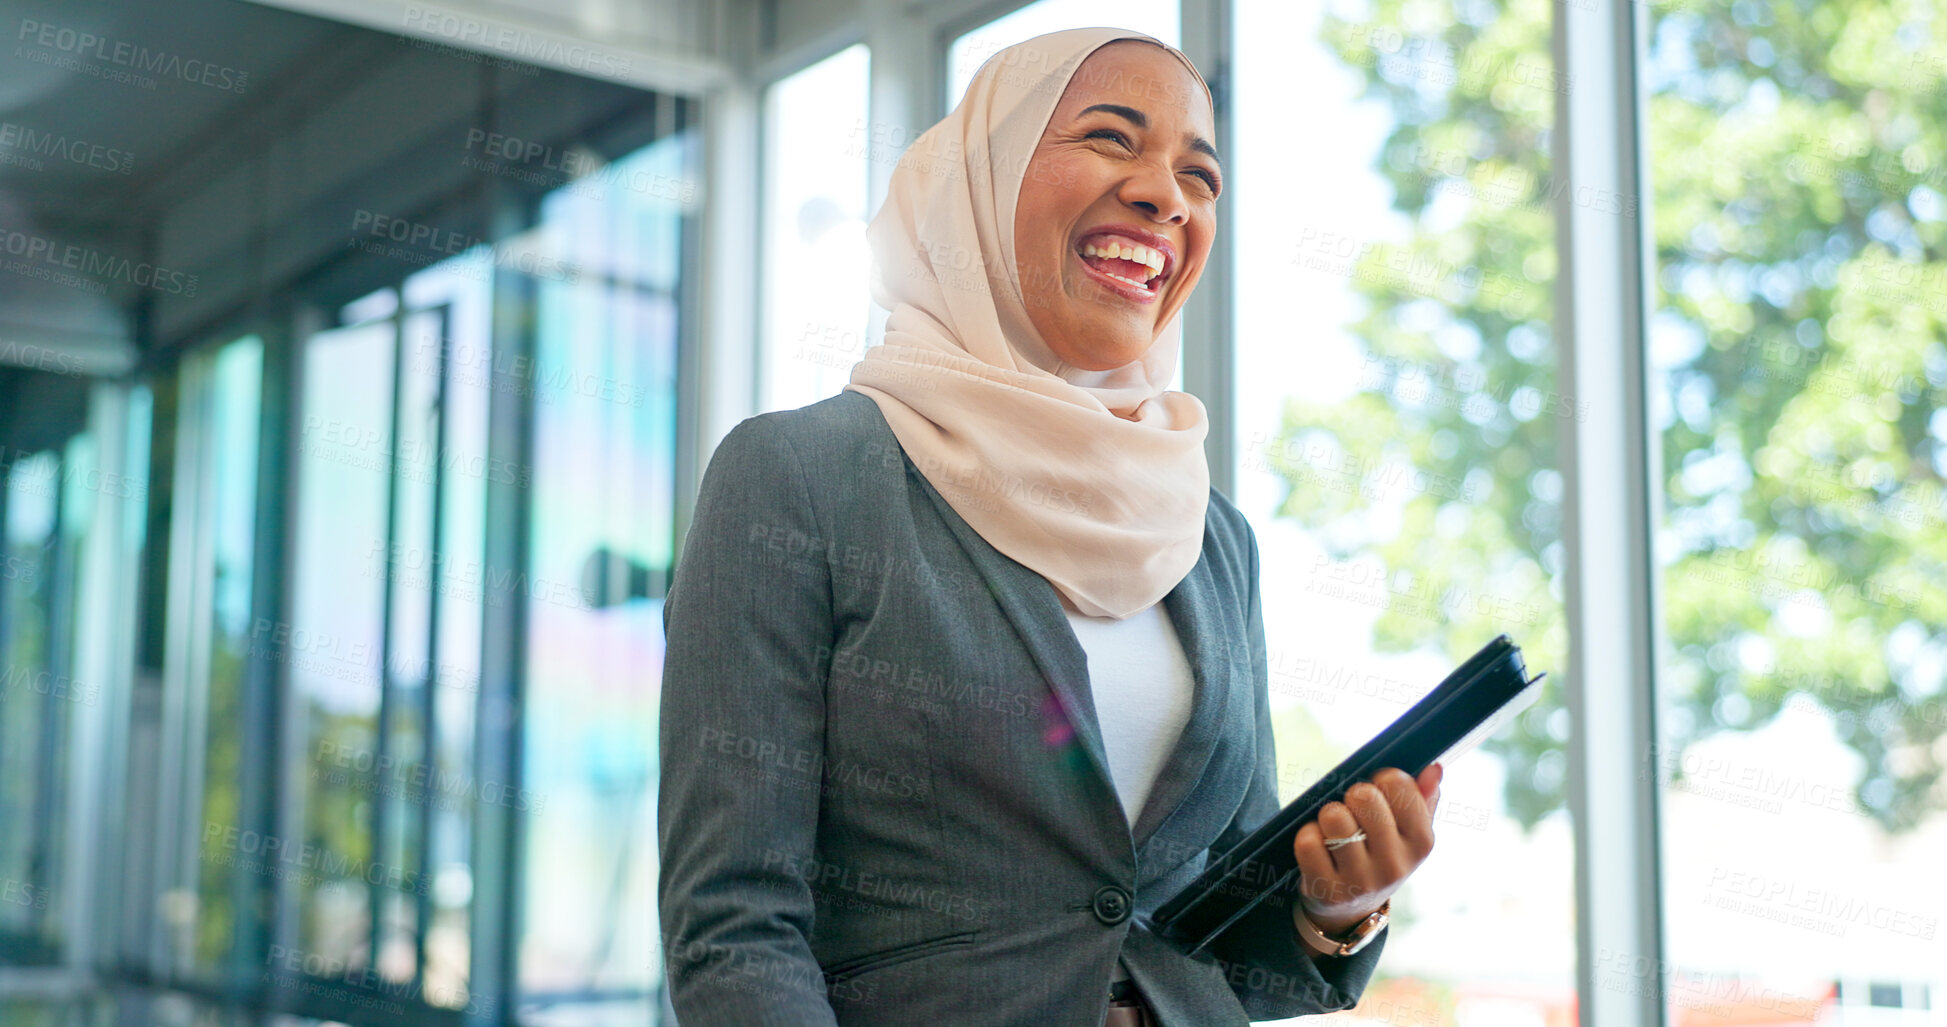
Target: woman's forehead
(1131, 75)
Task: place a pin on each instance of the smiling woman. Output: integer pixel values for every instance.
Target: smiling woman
(1099, 286)
(993, 570)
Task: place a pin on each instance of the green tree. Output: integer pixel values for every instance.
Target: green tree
(1797, 153)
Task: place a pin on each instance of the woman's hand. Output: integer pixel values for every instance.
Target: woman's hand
(1340, 887)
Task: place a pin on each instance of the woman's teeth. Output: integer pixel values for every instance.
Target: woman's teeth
(1144, 255)
(1150, 258)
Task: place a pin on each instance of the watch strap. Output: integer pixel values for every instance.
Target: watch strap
(1358, 937)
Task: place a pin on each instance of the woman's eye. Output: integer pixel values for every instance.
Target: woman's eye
(1110, 133)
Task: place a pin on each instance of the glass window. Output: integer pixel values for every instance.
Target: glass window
(1159, 18)
(36, 574)
(600, 546)
(1798, 167)
(220, 389)
(386, 633)
(335, 641)
(817, 302)
(65, 508)
(1396, 436)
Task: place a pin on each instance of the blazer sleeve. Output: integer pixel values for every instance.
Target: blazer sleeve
(748, 622)
(1272, 973)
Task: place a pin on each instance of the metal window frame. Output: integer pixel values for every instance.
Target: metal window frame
(117, 416)
(769, 77)
(185, 663)
(183, 731)
(1610, 463)
(1209, 332)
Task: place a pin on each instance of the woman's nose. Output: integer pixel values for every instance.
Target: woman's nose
(1155, 192)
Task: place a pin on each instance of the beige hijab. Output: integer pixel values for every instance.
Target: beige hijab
(1096, 480)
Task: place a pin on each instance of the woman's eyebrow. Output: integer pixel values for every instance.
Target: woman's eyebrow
(1141, 120)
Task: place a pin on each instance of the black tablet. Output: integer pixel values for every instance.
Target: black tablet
(1471, 703)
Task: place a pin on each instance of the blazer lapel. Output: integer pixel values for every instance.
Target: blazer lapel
(1193, 607)
(1031, 603)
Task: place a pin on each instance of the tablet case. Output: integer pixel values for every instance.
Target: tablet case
(1471, 703)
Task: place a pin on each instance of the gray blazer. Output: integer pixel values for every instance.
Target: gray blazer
(884, 798)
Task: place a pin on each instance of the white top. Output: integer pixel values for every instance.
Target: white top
(1141, 684)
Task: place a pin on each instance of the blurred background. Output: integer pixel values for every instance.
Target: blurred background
(359, 359)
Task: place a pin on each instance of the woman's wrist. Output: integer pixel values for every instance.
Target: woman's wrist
(1333, 928)
(1337, 925)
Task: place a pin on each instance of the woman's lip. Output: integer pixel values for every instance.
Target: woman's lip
(1132, 292)
(1137, 234)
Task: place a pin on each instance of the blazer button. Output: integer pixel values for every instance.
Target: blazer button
(1111, 904)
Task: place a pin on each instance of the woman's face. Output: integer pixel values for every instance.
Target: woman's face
(1125, 166)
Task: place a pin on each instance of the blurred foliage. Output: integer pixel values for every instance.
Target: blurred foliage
(27, 572)
(1798, 154)
(216, 919)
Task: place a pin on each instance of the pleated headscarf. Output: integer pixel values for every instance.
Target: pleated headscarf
(1096, 480)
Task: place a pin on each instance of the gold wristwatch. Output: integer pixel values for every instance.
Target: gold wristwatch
(1357, 938)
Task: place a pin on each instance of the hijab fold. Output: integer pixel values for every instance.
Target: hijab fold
(1096, 480)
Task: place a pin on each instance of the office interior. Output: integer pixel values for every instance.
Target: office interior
(360, 360)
